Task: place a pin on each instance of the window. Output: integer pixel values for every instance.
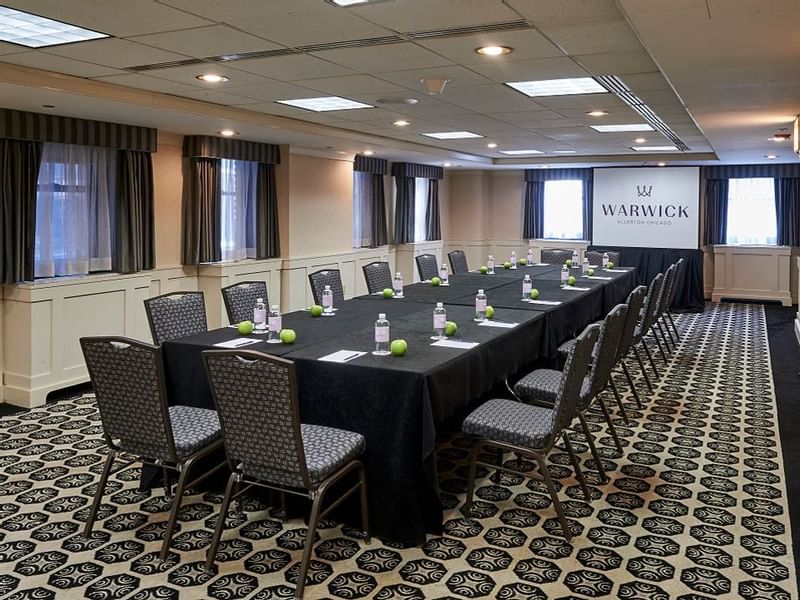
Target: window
(421, 186)
(362, 209)
(563, 209)
(238, 209)
(751, 211)
(76, 192)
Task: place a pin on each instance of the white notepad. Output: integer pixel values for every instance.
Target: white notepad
(549, 302)
(598, 277)
(616, 270)
(455, 344)
(542, 265)
(500, 324)
(575, 288)
(237, 343)
(342, 356)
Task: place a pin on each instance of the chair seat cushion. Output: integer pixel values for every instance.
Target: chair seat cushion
(327, 449)
(193, 428)
(543, 385)
(511, 422)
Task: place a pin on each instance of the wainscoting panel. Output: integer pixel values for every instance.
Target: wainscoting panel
(752, 273)
(407, 252)
(211, 278)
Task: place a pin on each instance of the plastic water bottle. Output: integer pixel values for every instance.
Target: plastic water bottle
(513, 259)
(480, 306)
(381, 336)
(605, 260)
(275, 325)
(443, 274)
(397, 284)
(260, 316)
(527, 285)
(585, 266)
(490, 264)
(564, 275)
(530, 257)
(574, 258)
(327, 301)
(439, 321)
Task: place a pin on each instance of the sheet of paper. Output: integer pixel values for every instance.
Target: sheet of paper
(549, 302)
(542, 265)
(616, 270)
(598, 277)
(575, 288)
(237, 342)
(455, 344)
(500, 324)
(342, 356)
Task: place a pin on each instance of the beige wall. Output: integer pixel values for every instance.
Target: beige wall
(505, 202)
(168, 190)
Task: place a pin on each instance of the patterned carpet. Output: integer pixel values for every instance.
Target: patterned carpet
(696, 508)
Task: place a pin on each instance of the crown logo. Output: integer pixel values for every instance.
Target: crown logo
(644, 191)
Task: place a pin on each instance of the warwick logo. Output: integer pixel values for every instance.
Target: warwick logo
(644, 191)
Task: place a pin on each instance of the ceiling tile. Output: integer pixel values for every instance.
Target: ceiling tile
(202, 42)
(646, 82)
(188, 75)
(458, 76)
(6, 48)
(527, 44)
(269, 91)
(352, 84)
(113, 52)
(58, 64)
(552, 13)
(721, 9)
(595, 37)
(584, 102)
(616, 63)
(485, 98)
(145, 82)
(291, 68)
(530, 70)
(218, 97)
(382, 59)
(427, 15)
(659, 97)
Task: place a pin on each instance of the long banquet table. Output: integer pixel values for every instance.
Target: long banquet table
(397, 402)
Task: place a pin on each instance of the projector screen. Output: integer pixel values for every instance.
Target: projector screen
(649, 207)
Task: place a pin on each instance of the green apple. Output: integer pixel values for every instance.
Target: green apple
(398, 347)
(489, 312)
(523, 261)
(288, 336)
(388, 293)
(450, 328)
(245, 327)
(484, 269)
(568, 262)
(590, 272)
(316, 310)
(534, 294)
(571, 280)
(610, 265)
(436, 282)
(507, 265)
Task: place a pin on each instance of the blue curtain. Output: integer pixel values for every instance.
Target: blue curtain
(533, 215)
(716, 213)
(787, 209)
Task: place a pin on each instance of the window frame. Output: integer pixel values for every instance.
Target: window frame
(581, 206)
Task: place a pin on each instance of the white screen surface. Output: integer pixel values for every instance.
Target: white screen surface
(649, 207)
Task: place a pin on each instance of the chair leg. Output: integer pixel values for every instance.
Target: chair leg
(672, 323)
(650, 358)
(98, 495)
(618, 398)
(167, 485)
(660, 346)
(312, 529)
(665, 321)
(576, 466)
(362, 477)
(592, 448)
(642, 369)
(176, 505)
(562, 518)
(611, 429)
(211, 554)
(667, 339)
(473, 457)
(634, 391)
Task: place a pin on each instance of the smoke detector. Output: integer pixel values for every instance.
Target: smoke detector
(434, 85)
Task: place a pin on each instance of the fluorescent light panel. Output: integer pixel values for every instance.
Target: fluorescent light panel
(453, 135)
(348, 2)
(654, 148)
(622, 128)
(558, 87)
(519, 152)
(33, 31)
(325, 103)
(564, 151)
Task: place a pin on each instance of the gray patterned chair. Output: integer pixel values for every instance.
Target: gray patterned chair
(240, 299)
(427, 266)
(540, 387)
(176, 315)
(458, 261)
(532, 431)
(667, 297)
(648, 316)
(332, 277)
(378, 276)
(596, 258)
(554, 256)
(267, 446)
(679, 266)
(128, 381)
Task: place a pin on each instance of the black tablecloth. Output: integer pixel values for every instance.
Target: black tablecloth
(689, 294)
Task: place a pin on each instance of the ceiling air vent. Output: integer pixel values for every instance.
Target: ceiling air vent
(455, 31)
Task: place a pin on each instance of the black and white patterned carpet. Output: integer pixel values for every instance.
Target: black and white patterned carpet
(696, 508)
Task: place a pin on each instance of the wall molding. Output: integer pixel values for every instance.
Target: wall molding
(752, 273)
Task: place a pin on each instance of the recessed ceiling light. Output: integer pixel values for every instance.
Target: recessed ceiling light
(622, 128)
(491, 145)
(446, 165)
(396, 100)
(367, 153)
(33, 31)
(640, 140)
(494, 50)
(563, 151)
(212, 78)
(325, 103)
(401, 123)
(597, 113)
(453, 135)
(520, 152)
(48, 106)
(228, 132)
(662, 164)
(654, 148)
(558, 87)
(771, 156)
(348, 2)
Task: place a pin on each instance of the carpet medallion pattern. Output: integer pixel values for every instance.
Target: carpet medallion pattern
(696, 508)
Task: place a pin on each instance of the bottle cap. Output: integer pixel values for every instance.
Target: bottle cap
(275, 307)
(382, 316)
(398, 274)
(327, 287)
(259, 300)
(439, 305)
(480, 291)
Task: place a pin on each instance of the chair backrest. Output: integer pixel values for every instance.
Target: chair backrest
(240, 299)
(176, 315)
(427, 266)
(128, 381)
(679, 266)
(666, 290)
(256, 399)
(378, 276)
(651, 303)
(554, 256)
(575, 369)
(635, 301)
(331, 277)
(596, 258)
(458, 261)
(607, 347)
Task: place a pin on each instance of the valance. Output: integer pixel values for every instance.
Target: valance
(417, 170)
(557, 174)
(206, 146)
(741, 171)
(367, 164)
(39, 127)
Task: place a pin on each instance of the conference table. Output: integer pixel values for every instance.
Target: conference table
(398, 402)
